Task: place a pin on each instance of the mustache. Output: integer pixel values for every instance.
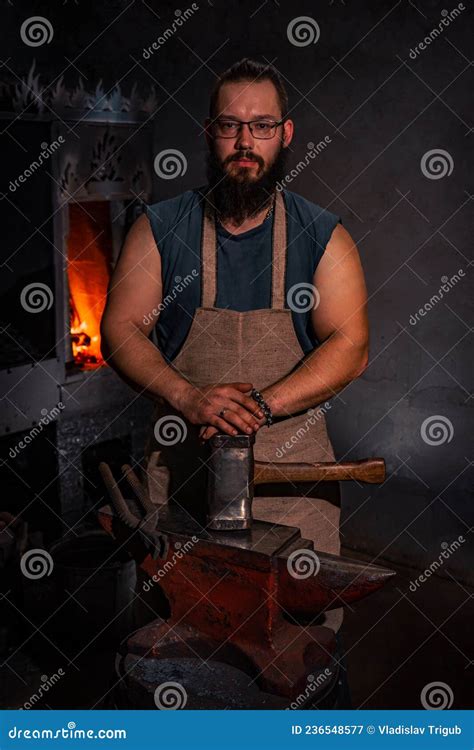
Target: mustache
(245, 155)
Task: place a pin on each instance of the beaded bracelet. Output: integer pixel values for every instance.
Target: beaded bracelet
(257, 396)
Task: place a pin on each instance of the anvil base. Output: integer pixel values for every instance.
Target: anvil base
(163, 651)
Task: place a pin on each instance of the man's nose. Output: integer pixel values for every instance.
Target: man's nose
(244, 137)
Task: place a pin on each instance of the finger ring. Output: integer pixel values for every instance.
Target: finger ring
(221, 413)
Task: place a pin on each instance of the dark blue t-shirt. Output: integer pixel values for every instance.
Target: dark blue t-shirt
(244, 268)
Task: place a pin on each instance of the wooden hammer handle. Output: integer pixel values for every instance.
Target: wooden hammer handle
(371, 470)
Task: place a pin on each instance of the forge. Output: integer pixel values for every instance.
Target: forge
(96, 183)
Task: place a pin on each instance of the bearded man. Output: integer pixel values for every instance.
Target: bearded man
(261, 306)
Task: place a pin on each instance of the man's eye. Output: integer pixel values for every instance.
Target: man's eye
(228, 125)
(264, 125)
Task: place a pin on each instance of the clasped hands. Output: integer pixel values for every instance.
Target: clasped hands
(227, 408)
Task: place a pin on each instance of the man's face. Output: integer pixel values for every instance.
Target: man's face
(244, 170)
(244, 157)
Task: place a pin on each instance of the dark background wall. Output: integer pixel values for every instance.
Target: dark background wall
(383, 111)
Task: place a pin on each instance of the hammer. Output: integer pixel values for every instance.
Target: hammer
(233, 474)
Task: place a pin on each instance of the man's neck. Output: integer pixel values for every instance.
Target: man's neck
(246, 224)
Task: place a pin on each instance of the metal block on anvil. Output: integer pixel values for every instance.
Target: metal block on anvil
(241, 596)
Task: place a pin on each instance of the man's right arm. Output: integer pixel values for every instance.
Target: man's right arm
(135, 291)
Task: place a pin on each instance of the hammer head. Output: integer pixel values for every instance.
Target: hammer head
(230, 482)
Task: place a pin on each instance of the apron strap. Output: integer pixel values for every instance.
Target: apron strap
(280, 244)
(209, 254)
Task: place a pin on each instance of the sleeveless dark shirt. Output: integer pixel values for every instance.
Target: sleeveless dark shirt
(243, 263)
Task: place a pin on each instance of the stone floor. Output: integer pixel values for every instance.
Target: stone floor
(397, 641)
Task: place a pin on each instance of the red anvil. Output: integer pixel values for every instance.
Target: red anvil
(241, 597)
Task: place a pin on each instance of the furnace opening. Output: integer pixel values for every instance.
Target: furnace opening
(89, 265)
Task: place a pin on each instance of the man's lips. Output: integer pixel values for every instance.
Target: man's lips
(245, 162)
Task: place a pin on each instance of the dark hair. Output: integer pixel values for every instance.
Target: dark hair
(250, 70)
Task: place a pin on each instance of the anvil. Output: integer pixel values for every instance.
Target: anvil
(250, 599)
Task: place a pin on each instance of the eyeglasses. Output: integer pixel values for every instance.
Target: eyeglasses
(224, 128)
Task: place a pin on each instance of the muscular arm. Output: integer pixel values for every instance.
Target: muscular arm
(340, 324)
(135, 291)
(133, 301)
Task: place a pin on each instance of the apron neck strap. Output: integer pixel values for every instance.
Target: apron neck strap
(209, 253)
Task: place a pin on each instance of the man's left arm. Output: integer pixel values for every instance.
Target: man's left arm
(341, 326)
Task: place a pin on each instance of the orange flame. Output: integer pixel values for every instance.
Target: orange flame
(89, 266)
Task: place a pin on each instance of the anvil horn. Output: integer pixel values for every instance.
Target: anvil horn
(310, 581)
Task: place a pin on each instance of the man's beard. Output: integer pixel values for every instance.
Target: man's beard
(242, 197)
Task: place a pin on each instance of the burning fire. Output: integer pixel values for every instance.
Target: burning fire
(89, 266)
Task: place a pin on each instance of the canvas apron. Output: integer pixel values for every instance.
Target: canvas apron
(258, 347)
